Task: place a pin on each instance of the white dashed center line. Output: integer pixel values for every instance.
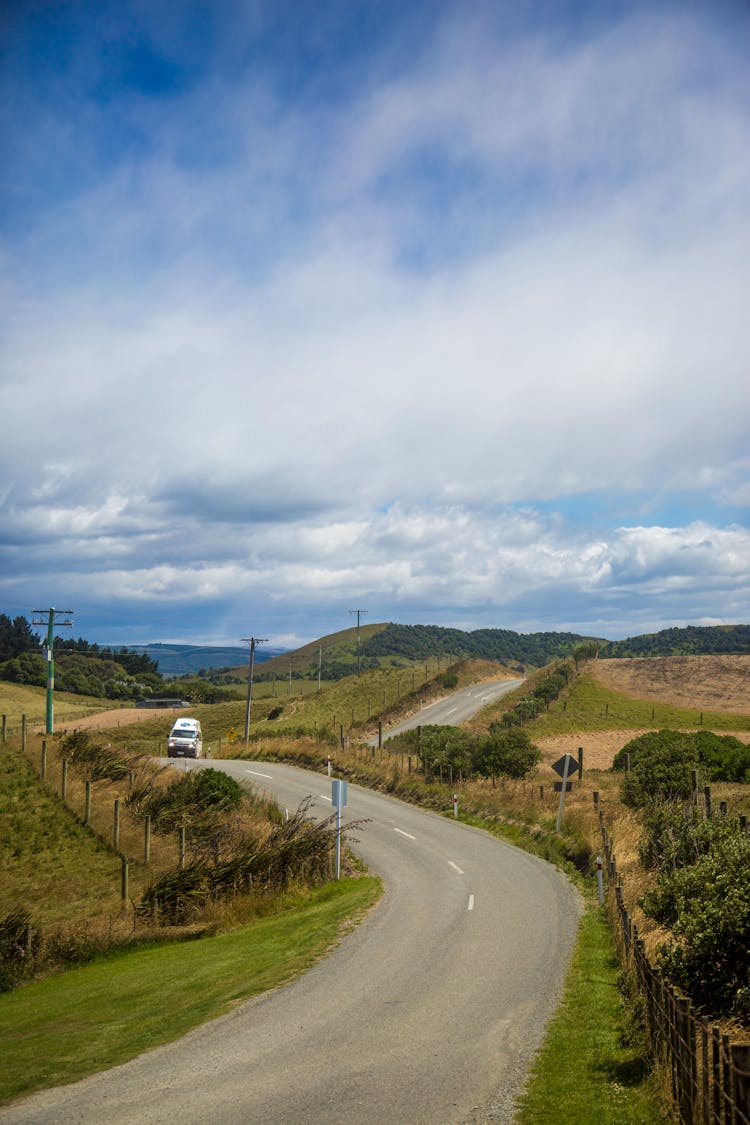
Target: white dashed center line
(471, 902)
(402, 833)
(455, 867)
(256, 774)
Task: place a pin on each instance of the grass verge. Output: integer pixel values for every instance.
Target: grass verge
(88, 1019)
(593, 1064)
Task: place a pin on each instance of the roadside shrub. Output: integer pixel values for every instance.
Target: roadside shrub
(197, 798)
(508, 752)
(18, 944)
(707, 905)
(296, 848)
(673, 837)
(661, 762)
(100, 761)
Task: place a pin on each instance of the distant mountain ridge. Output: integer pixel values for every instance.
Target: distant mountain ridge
(185, 660)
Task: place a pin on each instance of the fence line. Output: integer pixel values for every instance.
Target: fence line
(710, 1077)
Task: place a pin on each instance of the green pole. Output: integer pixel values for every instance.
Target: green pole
(50, 670)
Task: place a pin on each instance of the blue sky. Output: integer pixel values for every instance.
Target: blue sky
(434, 309)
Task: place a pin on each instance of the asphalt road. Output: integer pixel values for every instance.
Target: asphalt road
(456, 708)
(427, 1014)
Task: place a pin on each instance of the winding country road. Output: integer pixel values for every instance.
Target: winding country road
(429, 1012)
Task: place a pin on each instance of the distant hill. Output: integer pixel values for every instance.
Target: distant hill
(188, 660)
(692, 640)
(389, 644)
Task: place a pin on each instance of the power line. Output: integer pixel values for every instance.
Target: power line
(252, 641)
(359, 613)
(50, 624)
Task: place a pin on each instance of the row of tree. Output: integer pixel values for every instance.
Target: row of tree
(81, 667)
(507, 752)
(417, 642)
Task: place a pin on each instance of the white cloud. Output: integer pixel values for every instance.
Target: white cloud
(315, 350)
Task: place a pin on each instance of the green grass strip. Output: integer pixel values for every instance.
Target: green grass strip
(88, 1019)
(589, 705)
(592, 1065)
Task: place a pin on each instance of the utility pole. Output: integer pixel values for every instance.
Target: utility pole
(359, 613)
(50, 622)
(253, 641)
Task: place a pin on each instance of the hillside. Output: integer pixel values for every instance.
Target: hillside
(692, 640)
(712, 683)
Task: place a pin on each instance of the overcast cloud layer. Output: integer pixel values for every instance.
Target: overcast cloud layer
(437, 310)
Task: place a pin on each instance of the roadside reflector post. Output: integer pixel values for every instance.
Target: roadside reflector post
(328, 764)
(455, 804)
(338, 800)
(599, 880)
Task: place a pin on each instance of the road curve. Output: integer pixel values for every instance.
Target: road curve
(455, 708)
(429, 1012)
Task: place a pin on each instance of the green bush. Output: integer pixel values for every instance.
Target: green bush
(707, 905)
(196, 798)
(661, 763)
(507, 752)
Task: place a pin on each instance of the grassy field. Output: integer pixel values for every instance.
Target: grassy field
(19, 699)
(588, 705)
(104, 1013)
(51, 865)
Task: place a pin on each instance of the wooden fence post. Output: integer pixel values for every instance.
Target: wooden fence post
(181, 847)
(707, 800)
(43, 768)
(147, 840)
(116, 825)
(23, 733)
(5, 728)
(124, 879)
(64, 779)
(87, 809)
(741, 1072)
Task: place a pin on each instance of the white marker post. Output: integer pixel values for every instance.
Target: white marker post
(338, 800)
(599, 879)
(328, 763)
(455, 804)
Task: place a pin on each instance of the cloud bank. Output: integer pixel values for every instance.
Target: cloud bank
(445, 315)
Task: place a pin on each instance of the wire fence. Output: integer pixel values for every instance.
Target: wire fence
(710, 1075)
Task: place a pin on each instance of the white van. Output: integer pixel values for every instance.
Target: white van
(185, 739)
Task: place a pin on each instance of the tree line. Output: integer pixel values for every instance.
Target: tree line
(81, 667)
